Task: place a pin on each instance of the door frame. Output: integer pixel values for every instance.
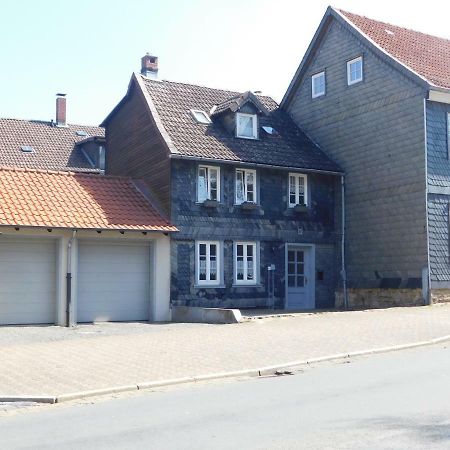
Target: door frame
(310, 272)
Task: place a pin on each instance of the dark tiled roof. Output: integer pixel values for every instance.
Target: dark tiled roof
(54, 147)
(290, 148)
(40, 198)
(429, 56)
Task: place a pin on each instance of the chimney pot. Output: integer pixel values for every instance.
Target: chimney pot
(61, 110)
(149, 66)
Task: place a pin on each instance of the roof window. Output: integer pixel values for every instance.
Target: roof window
(200, 116)
(27, 148)
(81, 133)
(270, 130)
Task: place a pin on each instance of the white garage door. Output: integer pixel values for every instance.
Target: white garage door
(27, 281)
(113, 281)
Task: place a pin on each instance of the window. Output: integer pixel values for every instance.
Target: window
(245, 263)
(200, 116)
(318, 85)
(207, 263)
(297, 189)
(448, 135)
(208, 183)
(245, 186)
(355, 70)
(246, 126)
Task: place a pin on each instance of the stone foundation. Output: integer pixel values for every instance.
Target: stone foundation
(381, 298)
(440, 295)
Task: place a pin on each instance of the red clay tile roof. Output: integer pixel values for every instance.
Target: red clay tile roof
(54, 147)
(429, 56)
(39, 198)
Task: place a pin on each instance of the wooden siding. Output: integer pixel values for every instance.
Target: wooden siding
(136, 148)
(375, 131)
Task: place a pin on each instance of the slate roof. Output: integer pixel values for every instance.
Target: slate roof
(173, 102)
(54, 147)
(39, 198)
(427, 55)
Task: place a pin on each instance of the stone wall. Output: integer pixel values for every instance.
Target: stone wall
(440, 295)
(380, 298)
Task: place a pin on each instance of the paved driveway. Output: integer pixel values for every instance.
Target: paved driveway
(54, 361)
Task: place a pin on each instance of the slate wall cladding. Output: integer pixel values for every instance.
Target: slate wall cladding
(438, 164)
(272, 224)
(374, 130)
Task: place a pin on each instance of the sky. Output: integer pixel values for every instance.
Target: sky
(88, 49)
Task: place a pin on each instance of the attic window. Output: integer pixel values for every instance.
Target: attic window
(270, 130)
(81, 133)
(246, 126)
(200, 116)
(27, 148)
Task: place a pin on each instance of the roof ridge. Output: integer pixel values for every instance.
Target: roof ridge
(48, 122)
(233, 92)
(62, 172)
(343, 11)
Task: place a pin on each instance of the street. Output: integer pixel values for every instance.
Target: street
(398, 400)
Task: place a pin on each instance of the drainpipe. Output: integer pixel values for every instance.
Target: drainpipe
(69, 277)
(343, 272)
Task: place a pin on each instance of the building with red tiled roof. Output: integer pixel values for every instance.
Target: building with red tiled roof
(78, 247)
(376, 98)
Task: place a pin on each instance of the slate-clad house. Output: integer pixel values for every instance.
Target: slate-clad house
(256, 203)
(376, 98)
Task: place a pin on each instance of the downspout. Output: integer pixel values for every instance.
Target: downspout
(343, 271)
(69, 278)
(427, 297)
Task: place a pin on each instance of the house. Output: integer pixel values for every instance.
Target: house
(376, 98)
(75, 245)
(256, 203)
(53, 145)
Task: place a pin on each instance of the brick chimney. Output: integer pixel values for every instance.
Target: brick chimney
(149, 66)
(61, 110)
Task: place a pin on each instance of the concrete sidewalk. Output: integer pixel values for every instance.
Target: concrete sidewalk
(52, 361)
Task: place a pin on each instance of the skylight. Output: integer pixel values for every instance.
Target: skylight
(200, 116)
(270, 130)
(81, 133)
(27, 148)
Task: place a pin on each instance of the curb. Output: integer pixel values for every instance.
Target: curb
(262, 371)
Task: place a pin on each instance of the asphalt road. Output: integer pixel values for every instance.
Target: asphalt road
(398, 400)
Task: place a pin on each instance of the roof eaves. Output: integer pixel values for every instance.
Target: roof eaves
(154, 114)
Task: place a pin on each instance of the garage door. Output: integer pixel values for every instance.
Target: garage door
(27, 281)
(113, 281)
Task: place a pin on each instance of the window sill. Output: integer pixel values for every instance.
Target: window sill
(299, 208)
(256, 285)
(209, 286)
(248, 206)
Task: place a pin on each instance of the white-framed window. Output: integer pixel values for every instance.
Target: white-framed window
(297, 189)
(318, 84)
(245, 186)
(355, 70)
(208, 183)
(246, 262)
(208, 266)
(200, 116)
(246, 126)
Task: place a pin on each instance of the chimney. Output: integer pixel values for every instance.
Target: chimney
(61, 110)
(149, 66)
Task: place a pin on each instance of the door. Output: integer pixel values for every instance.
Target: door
(27, 281)
(113, 281)
(299, 294)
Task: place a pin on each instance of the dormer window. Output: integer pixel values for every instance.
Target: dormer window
(246, 126)
(200, 116)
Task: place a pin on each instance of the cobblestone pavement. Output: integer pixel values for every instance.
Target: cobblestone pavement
(55, 361)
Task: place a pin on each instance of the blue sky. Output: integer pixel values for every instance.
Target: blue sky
(88, 49)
